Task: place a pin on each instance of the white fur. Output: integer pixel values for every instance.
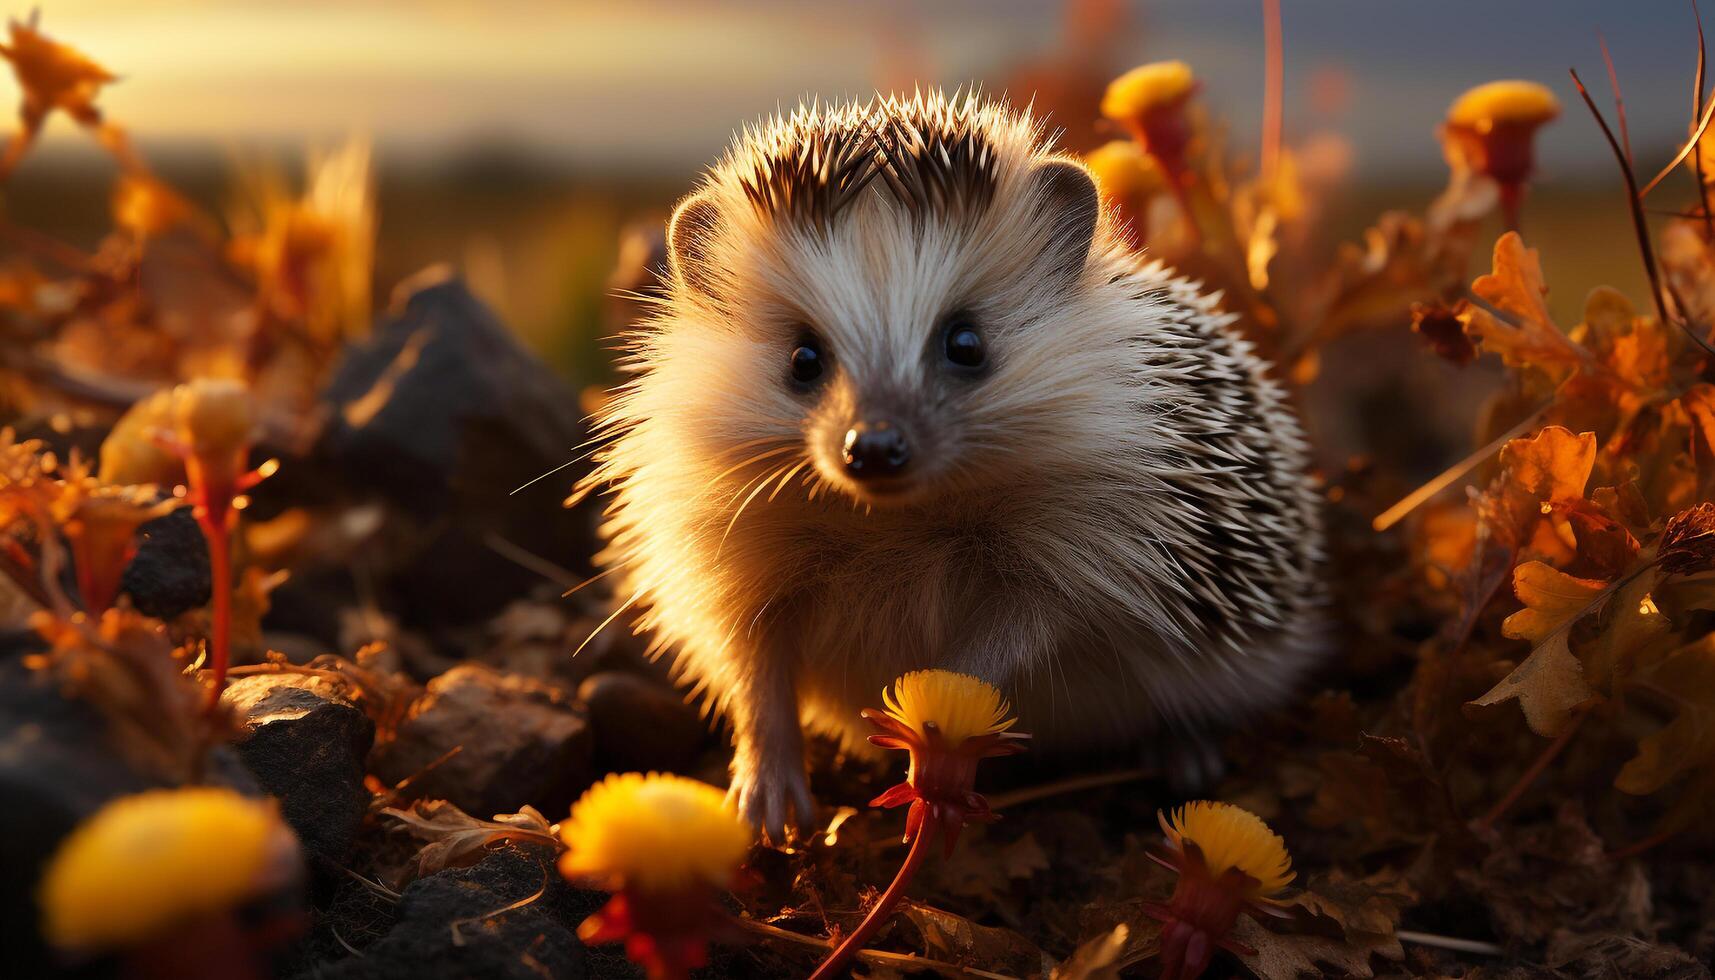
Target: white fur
(1115, 525)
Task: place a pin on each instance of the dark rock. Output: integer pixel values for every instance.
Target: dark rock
(520, 742)
(452, 925)
(444, 415)
(58, 765)
(169, 574)
(306, 745)
(638, 725)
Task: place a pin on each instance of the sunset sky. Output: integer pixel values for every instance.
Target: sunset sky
(659, 85)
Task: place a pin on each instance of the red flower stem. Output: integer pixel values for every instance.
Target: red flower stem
(1530, 775)
(220, 572)
(849, 947)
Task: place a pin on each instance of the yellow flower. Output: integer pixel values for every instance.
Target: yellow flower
(1124, 172)
(148, 862)
(1512, 102)
(1232, 837)
(1146, 88)
(655, 833)
(960, 705)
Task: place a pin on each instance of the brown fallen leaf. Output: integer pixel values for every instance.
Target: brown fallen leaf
(954, 938)
(455, 839)
(1288, 956)
(1360, 907)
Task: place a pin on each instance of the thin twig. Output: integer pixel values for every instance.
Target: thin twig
(1074, 784)
(1536, 769)
(1450, 942)
(1411, 501)
(353, 950)
(1696, 113)
(1634, 202)
(456, 924)
(1619, 100)
(901, 961)
(530, 561)
(1635, 848)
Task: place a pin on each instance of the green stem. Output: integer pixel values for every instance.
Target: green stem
(878, 914)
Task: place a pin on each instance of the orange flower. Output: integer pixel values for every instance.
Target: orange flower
(1150, 102)
(1491, 130)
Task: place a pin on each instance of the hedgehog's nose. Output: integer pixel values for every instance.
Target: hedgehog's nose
(874, 450)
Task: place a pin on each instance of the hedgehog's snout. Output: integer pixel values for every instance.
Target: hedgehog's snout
(875, 450)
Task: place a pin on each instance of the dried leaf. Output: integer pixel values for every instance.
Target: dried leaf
(1288, 956)
(1527, 337)
(1361, 907)
(951, 937)
(1097, 959)
(1551, 466)
(1549, 683)
(1440, 325)
(455, 839)
(1687, 544)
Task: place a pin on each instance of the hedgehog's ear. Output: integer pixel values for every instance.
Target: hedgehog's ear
(1066, 194)
(690, 232)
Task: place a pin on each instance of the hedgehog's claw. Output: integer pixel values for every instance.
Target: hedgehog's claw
(772, 798)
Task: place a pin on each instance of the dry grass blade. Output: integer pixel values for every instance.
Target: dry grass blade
(1619, 100)
(1634, 203)
(1684, 150)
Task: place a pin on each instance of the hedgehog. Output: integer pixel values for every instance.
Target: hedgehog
(906, 400)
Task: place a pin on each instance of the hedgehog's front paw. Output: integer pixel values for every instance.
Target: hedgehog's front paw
(771, 794)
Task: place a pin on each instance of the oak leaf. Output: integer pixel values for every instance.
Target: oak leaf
(1524, 335)
(1549, 683)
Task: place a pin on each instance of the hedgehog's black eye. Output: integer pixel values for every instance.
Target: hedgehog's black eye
(964, 344)
(808, 360)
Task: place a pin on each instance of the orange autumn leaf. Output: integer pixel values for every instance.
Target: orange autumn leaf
(1634, 348)
(1548, 468)
(1527, 336)
(1553, 465)
(1549, 683)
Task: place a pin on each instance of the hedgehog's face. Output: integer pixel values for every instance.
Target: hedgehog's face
(889, 344)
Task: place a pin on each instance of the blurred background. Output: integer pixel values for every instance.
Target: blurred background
(517, 138)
